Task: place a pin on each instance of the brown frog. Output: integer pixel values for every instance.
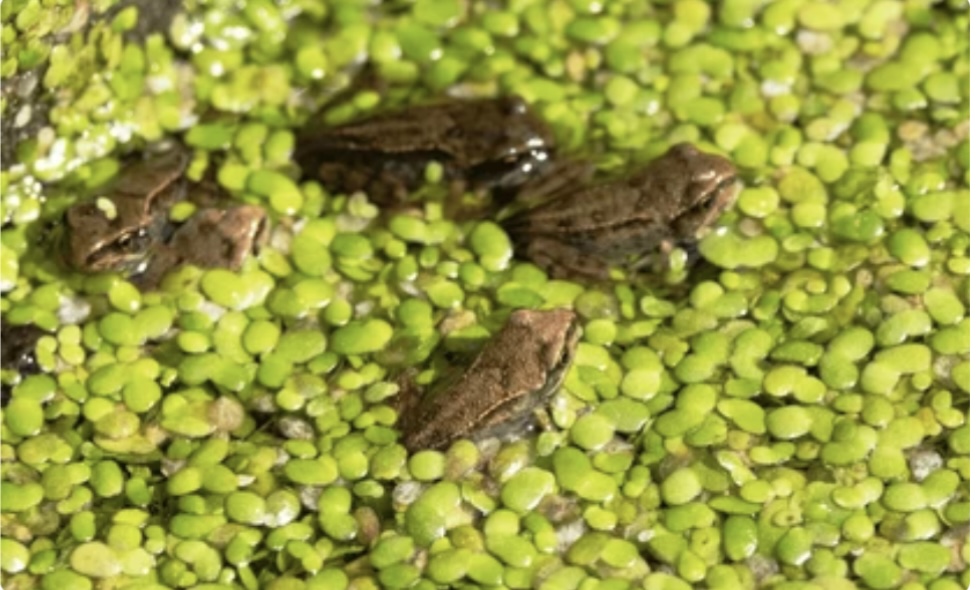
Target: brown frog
(492, 145)
(129, 231)
(17, 345)
(515, 373)
(118, 232)
(211, 238)
(584, 229)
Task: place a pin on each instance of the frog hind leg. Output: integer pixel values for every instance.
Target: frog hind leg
(564, 261)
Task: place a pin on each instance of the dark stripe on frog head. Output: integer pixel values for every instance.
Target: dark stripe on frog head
(130, 245)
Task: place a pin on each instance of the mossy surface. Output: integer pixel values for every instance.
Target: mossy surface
(790, 412)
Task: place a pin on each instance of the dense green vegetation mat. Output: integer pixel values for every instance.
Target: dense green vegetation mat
(791, 414)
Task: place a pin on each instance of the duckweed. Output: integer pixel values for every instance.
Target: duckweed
(787, 407)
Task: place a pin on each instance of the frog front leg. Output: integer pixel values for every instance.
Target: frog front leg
(161, 260)
(670, 256)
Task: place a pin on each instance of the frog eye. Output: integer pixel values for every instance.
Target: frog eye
(705, 205)
(132, 242)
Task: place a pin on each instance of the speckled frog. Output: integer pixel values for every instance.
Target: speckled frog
(490, 145)
(513, 375)
(128, 229)
(584, 229)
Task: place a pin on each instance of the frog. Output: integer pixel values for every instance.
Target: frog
(128, 230)
(211, 238)
(17, 345)
(489, 146)
(508, 382)
(117, 232)
(585, 228)
(17, 342)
